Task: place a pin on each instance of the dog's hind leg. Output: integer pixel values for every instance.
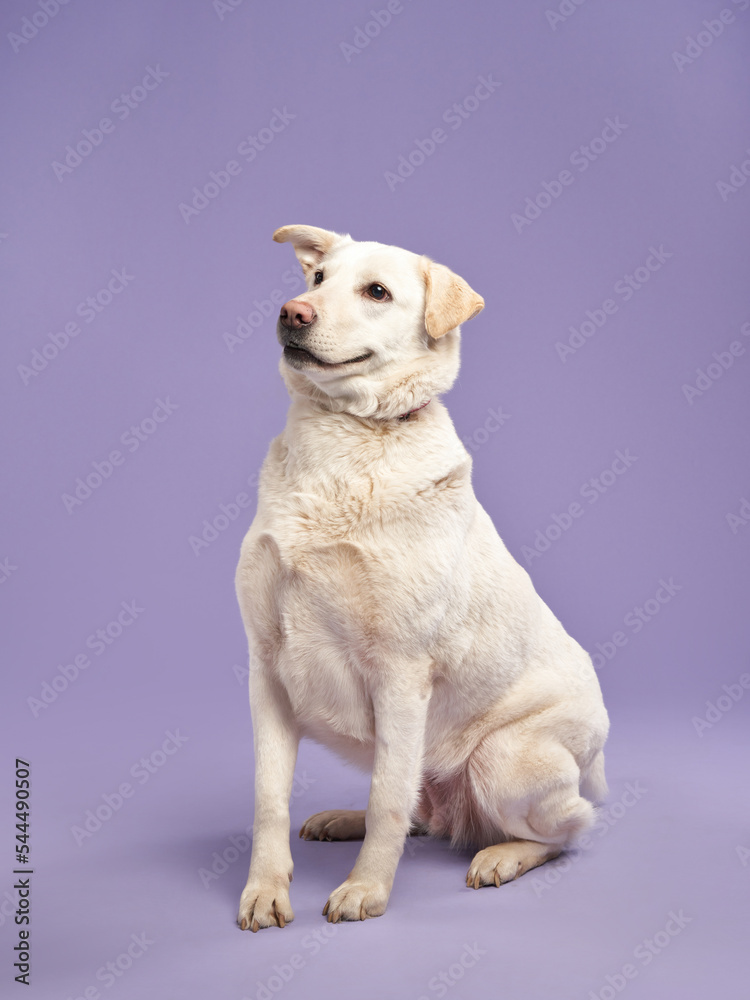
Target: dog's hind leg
(335, 824)
(343, 824)
(532, 797)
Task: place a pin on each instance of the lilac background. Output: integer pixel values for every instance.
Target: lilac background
(560, 931)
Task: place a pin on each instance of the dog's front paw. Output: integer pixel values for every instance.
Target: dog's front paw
(356, 900)
(264, 905)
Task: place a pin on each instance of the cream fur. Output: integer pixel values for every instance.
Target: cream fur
(385, 616)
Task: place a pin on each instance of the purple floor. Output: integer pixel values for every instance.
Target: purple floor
(661, 887)
(584, 166)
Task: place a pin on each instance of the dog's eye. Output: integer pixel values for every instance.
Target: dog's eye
(377, 292)
(318, 277)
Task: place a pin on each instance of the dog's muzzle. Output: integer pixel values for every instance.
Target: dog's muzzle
(296, 320)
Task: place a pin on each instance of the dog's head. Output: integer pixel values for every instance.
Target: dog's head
(376, 333)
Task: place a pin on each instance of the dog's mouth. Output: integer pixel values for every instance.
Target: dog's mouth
(300, 357)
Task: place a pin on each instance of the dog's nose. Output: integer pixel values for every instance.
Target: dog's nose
(296, 314)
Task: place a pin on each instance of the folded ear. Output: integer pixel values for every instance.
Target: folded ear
(449, 301)
(310, 243)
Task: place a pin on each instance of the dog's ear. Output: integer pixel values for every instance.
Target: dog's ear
(449, 301)
(310, 243)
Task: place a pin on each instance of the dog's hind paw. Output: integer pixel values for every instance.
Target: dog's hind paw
(506, 862)
(335, 824)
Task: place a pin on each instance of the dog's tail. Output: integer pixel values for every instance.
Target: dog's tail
(593, 783)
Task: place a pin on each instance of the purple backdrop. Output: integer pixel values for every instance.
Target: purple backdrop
(584, 166)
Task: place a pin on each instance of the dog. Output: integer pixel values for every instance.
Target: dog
(385, 617)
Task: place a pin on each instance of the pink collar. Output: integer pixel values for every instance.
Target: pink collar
(405, 416)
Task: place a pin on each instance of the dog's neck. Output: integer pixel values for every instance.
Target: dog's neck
(323, 406)
(330, 453)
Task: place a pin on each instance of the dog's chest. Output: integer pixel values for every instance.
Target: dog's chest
(343, 577)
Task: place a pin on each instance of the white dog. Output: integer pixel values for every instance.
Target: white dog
(385, 617)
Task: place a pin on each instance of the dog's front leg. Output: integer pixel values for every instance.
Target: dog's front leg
(400, 717)
(265, 898)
